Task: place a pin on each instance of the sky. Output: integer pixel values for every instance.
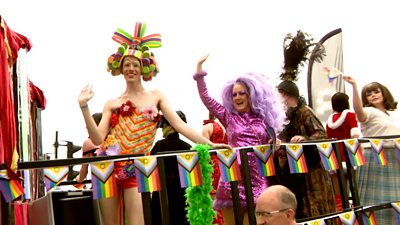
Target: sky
(72, 41)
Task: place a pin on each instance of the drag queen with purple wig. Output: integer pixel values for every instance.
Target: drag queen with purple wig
(249, 106)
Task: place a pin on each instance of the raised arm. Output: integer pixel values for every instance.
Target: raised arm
(96, 134)
(357, 103)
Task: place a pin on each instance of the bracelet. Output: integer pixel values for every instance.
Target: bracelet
(84, 106)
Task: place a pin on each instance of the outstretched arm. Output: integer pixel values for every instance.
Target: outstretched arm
(357, 103)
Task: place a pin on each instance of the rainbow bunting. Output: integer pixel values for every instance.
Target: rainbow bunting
(296, 159)
(147, 176)
(369, 218)
(54, 176)
(397, 148)
(265, 160)
(328, 156)
(354, 151)
(378, 152)
(189, 169)
(10, 189)
(348, 218)
(316, 222)
(103, 180)
(396, 211)
(228, 165)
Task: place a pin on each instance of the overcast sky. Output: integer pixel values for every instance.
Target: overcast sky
(72, 41)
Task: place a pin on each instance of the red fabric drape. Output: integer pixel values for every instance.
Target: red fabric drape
(10, 43)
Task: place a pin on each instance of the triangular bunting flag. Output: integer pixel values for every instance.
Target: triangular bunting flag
(189, 169)
(10, 189)
(296, 159)
(316, 222)
(378, 151)
(348, 218)
(396, 211)
(354, 151)
(397, 148)
(265, 160)
(228, 165)
(147, 175)
(369, 218)
(328, 157)
(54, 176)
(103, 180)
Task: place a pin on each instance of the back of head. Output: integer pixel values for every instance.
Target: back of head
(340, 102)
(164, 121)
(289, 88)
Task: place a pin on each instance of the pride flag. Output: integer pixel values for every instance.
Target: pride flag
(147, 176)
(354, 151)
(316, 222)
(369, 218)
(378, 151)
(189, 169)
(103, 180)
(328, 156)
(265, 160)
(296, 159)
(348, 218)
(396, 211)
(228, 165)
(10, 189)
(397, 148)
(54, 176)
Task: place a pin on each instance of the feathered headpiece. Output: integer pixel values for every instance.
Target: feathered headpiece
(296, 50)
(137, 46)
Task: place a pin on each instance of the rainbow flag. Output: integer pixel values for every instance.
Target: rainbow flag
(228, 166)
(189, 169)
(354, 151)
(265, 160)
(54, 176)
(328, 156)
(396, 211)
(296, 159)
(397, 148)
(316, 222)
(369, 218)
(348, 218)
(10, 189)
(103, 180)
(147, 176)
(378, 151)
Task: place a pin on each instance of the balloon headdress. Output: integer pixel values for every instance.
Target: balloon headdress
(296, 51)
(137, 46)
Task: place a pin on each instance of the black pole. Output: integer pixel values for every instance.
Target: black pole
(56, 146)
(237, 208)
(163, 192)
(342, 179)
(247, 185)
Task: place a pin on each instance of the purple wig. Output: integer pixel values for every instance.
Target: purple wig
(264, 100)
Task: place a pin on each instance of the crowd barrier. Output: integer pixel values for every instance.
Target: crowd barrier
(355, 208)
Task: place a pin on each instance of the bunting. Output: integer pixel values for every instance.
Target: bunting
(103, 180)
(10, 189)
(54, 176)
(328, 156)
(228, 165)
(147, 175)
(265, 160)
(378, 151)
(354, 151)
(189, 169)
(348, 218)
(369, 218)
(316, 222)
(397, 148)
(396, 211)
(296, 159)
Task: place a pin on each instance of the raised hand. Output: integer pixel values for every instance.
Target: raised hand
(349, 80)
(200, 63)
(85, 95)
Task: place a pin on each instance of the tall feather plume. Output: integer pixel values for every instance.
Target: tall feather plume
(296, 50)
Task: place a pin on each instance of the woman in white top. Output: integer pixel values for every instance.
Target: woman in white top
(375, 111)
